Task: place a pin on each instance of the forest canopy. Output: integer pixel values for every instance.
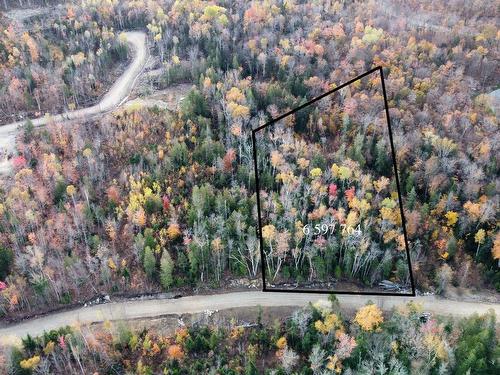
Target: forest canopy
(147, 199)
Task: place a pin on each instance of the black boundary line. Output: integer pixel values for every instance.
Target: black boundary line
(316, 99)
(393, 154)
(400, 199)
(259, 216)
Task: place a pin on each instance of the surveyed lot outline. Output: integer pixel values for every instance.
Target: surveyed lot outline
(395, 169)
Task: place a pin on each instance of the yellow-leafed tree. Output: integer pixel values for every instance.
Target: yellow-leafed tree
(369, 317)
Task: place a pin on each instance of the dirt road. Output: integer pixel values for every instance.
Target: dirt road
(195, 304)
(113, 98)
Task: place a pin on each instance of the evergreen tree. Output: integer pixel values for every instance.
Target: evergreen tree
(382, 162)
(149, 262)
(166, 269)
(412, 198)
(477, 349)
(6, 260)
(410, 183)
(357, 150)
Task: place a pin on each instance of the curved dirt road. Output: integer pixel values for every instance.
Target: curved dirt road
(195, 304)
(117, 94)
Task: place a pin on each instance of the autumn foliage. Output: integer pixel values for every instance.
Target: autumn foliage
(407, 340)
(145, 199)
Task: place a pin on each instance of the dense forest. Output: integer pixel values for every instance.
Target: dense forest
(146, 199)
(318, 339)
(329, 194)
(61, 63)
